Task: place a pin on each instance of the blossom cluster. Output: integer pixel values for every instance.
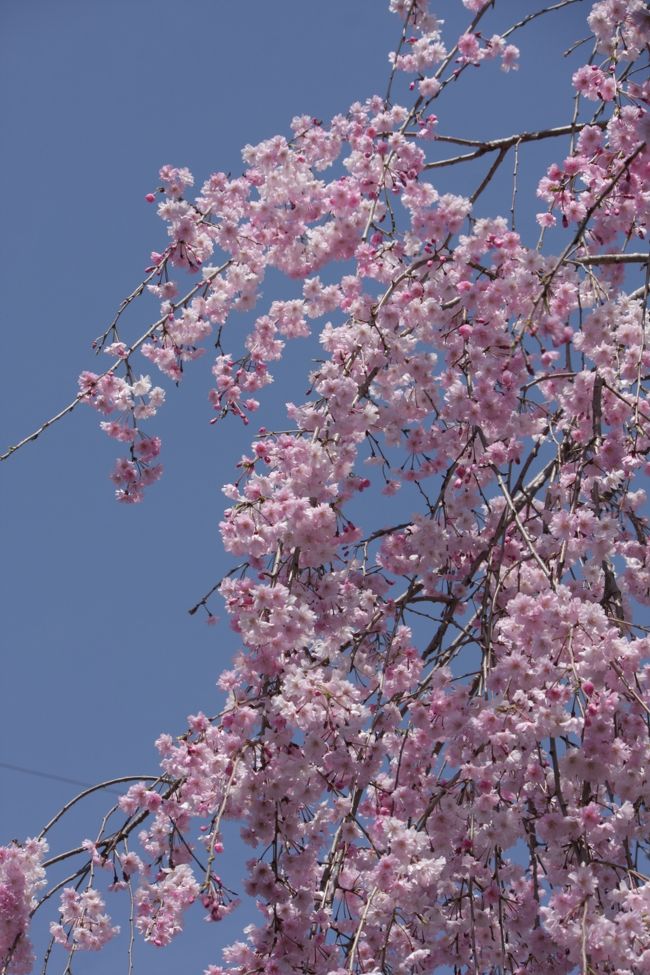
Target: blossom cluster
(83, 923)
(21, 876)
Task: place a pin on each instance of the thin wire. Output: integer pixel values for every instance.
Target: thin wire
(43, 775)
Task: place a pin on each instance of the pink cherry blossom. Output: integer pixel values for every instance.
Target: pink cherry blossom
(21, 876)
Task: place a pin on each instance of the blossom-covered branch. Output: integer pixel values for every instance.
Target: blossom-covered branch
(435, 739)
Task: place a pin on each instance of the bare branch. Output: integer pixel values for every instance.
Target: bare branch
(495, 145)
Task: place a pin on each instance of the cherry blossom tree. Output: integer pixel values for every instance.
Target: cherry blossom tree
(435, 739)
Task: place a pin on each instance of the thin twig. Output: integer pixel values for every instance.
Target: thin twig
(96, 788)
(136, 345)
(538, 13)
(515, 173)
(488, 176)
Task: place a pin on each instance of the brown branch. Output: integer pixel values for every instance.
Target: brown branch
(111, 842)
(95, 788)
(495, 145)
(538, 13)
(488, 176)
(612, 259)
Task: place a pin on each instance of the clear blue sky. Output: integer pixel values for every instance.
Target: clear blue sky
(100, 655)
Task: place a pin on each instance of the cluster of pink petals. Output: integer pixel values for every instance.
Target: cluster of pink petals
(21, 875)
(84, 923)
(573, 188)
(159, 906)
(137, 401)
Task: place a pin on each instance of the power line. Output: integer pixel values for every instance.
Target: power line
(44, 775)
